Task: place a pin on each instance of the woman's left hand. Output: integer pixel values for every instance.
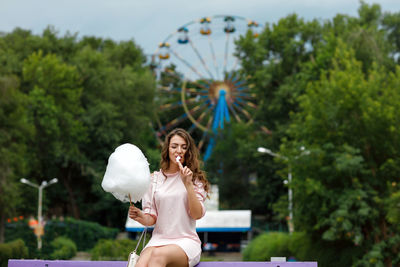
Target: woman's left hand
(186, 174)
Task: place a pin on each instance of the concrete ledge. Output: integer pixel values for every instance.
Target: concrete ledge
(48, 263)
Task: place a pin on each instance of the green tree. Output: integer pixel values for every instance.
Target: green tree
(273, 64)
(54, 91)
(289, 54)
(293, 52)
(15, 132)
(391, 25)
(245, 178)
(81, 98)
(349, 121)
(118, 103)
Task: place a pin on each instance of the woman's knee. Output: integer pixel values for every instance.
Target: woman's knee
(140, 264)
(144, 258)
(158, 255)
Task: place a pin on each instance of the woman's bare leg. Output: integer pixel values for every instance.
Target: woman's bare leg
(169, 255)
(145, 257)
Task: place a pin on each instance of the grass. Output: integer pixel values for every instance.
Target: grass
(210, 258)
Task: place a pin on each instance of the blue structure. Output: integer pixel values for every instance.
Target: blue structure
(221, 114)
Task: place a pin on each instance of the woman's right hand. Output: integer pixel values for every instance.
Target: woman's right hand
(135, 213)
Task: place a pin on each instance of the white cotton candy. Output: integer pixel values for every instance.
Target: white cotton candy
(127, 173)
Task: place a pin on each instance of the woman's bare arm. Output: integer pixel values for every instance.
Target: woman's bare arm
(141, 217)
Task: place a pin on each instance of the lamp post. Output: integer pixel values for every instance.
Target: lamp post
(289, 180)
(40, 188)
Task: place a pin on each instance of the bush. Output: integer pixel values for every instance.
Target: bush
(114, 249)
(64, 248)
(12, 250)
(265, 246)
(302, 247)
(83, 233)
(21, 230)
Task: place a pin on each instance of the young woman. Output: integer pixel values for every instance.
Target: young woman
(180, 190)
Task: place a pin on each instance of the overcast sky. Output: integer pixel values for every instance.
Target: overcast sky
(148, 22)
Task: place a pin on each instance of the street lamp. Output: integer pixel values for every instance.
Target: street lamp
(289, 180)
(40, 188)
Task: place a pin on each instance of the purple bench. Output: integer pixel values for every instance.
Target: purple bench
(48, 263)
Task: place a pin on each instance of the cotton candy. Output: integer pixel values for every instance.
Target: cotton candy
(127, 173)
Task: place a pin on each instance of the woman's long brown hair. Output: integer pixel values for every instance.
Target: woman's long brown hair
(191, 156)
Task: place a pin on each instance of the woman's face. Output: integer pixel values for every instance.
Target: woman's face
(177, 147)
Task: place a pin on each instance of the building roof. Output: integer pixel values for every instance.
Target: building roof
(213, 221)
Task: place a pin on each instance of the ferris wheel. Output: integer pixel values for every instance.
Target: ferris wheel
(200, 86)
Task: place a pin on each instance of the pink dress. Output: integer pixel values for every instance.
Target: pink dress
(171, 208)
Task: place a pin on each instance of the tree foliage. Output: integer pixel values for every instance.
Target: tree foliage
(65, 105)
(245, 179)
(15, 132)
(349, 120)
(332, 87)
